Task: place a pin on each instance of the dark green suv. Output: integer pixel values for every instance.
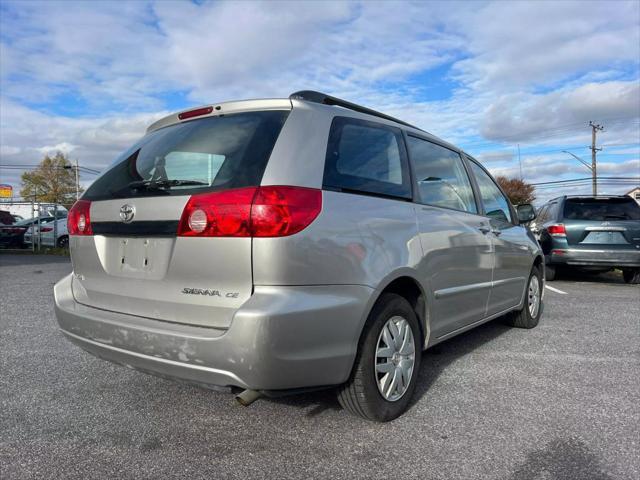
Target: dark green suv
(595, 233)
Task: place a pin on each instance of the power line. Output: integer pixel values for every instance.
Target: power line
(552, 132)
(27, 167)
(587, 182)
(636, 179)
(620, 144)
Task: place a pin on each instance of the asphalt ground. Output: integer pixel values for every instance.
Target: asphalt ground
(560, 401)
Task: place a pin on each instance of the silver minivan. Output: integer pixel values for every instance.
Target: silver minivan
(276, 246)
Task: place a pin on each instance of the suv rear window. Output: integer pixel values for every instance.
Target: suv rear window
(366, 157)
(601, 209)
(207, 154)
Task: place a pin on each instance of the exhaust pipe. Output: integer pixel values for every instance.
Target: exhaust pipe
(247, 397)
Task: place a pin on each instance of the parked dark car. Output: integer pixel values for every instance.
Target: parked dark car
(6, 218)
(12, 236)
(593, 233)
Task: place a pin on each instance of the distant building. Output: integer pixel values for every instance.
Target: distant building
(635, 194)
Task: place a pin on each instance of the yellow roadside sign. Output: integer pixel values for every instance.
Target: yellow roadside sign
(6, 190)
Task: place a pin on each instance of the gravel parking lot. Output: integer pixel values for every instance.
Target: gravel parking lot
(557, 402)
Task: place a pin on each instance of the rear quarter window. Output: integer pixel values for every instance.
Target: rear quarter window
(366, 157)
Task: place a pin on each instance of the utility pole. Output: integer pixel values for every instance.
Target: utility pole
(77, 168)
(594, 175)
(78, 180)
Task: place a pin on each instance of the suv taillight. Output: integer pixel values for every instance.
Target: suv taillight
(272, 211)
(557, 230)
(78, 220)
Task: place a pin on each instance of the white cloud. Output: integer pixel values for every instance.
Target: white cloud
(517, 72)
(7, 150)
(94, 141)
(518, 117)
(63, 147)
(516, 45)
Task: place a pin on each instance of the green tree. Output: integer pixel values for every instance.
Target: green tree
(517, 190)
(50, 181)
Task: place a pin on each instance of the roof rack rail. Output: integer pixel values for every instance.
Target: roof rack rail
(323, 98)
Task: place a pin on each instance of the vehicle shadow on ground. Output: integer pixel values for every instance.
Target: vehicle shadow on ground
(562, 459)
(434, 362)
(574, 275)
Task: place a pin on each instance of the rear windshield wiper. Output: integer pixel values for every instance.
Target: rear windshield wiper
(151, 184)
(160, 187)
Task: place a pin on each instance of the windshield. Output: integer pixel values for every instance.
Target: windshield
(601, 209)
(212, 153)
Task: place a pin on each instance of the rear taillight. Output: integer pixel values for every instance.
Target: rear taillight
(46, 229)
(218, 214)
(282, 211)
(273, 211)
(557, 230)
(79, 220)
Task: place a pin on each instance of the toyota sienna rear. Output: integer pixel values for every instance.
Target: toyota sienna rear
(276, 246)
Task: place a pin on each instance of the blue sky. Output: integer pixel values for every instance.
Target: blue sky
(88, 77)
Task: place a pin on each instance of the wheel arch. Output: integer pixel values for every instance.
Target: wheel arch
(405, 284)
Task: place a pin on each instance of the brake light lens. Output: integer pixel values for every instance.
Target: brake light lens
(79, 220)
(195, 113)
(218, 214)
(557, 230)
(273, 211)
(46, 229)
(282, 211)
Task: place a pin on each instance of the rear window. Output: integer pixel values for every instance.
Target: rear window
(207, 154)
(366, 157)
(601, 209)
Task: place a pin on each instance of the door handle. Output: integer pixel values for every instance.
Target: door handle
(485, 229)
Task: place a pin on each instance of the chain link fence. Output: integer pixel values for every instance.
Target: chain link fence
(42, 226)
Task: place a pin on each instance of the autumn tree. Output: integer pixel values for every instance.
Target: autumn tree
(517, 190)
(53, 181)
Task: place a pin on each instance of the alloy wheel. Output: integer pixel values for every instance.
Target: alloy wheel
(534, 296)
(395, 358)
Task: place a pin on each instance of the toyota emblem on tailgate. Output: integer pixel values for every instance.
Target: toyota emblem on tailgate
(127, 212)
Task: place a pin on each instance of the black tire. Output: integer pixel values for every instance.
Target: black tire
(522, 318)
(63, 242)
(550, 272)
(360, 394)
(631, 276)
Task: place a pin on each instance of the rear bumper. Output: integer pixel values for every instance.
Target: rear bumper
(281, 338)
(594, 257)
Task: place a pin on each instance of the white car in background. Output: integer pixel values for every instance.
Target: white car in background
(47, 231)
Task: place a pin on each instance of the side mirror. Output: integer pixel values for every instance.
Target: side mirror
(526, 213)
